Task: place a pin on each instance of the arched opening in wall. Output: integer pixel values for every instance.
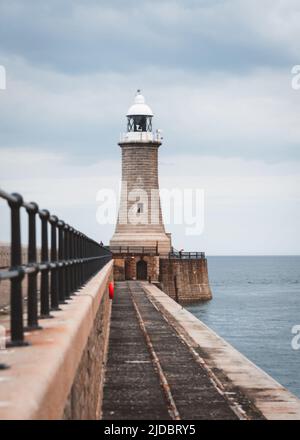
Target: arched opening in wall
(141, 270)
(128, 274)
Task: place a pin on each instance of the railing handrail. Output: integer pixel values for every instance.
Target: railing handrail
(70, 260)
(132, 250)
(13, 198)
(186, 255)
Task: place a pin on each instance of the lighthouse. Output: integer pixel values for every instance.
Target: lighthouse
(140, 245)
(140, 223)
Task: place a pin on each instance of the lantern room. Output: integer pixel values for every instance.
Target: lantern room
(139, 115)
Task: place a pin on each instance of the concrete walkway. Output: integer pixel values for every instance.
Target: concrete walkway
(152, 374)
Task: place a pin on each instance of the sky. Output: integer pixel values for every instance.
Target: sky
(217, 74)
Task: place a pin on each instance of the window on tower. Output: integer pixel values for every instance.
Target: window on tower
(140, 208)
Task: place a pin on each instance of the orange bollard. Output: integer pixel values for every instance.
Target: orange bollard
(111, 290)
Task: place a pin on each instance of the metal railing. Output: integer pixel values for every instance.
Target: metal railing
(141, 136)
(134, 250)
(73, 259)
(153, 250)
(186, 255)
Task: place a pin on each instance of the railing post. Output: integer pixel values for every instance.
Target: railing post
(79, 260)
(54, 270)
(84, 265)
(16, 300)
(61, 270)
(89, 254)
(66, 262)
(176, 288)
(87, 251)
(45, 307)
(70, 258)
(32, 308)
(72, 262)
(77, 279)
(81, 272)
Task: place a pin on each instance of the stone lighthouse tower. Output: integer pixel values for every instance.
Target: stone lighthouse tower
(140, 229)
(140, 245)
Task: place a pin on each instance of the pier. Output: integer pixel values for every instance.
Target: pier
(138, 356)
(163, 363)
(151, 373)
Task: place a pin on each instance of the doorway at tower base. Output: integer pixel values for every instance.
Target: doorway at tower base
(183, 280)
(136, 267)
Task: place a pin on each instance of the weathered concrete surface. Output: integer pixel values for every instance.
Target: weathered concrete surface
(131, 386)
(41, 376)
(149, 365)
(233, 370)
(185, 280)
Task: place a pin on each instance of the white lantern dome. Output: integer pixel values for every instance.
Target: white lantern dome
(139, 107)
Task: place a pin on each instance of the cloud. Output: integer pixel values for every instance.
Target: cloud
(89, 36)
(254, 115)
(217, 74)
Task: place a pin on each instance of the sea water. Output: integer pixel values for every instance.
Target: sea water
(255, 305)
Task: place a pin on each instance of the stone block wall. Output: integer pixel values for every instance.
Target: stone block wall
(140, 172)
(85, 397)
(119, 269)
(185, 280)
(125, 267)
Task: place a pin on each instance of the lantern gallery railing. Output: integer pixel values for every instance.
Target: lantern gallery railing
(73, 259)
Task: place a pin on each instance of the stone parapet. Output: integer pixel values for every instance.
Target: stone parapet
(59, 374)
